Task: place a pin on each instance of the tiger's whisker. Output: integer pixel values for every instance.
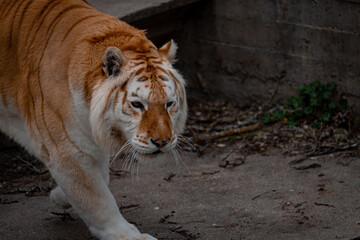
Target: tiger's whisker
(177, 151)
(125, 146)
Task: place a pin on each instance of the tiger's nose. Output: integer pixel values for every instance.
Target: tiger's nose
(160, 143)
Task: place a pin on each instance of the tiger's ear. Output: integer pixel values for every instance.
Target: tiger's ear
(113, 59)
(168, 51)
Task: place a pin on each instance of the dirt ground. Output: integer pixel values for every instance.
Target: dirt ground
(264, 198)
(239, 188)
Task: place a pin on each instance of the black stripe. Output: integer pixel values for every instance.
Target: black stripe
(50, 5)
(56, 21)
(13, 22)
(9, 9)
(75, 24)
(45, 7)
(23, 15)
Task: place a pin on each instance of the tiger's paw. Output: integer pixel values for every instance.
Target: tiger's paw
(123, 232)
(145, 236)
(140, 236)
(57, 196)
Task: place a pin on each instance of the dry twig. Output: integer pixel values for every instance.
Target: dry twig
(226, 133)
(323, 150)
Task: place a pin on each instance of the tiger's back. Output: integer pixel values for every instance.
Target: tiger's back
(30, 47)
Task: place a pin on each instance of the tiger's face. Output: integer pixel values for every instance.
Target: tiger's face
(145, 105)
(152, 107)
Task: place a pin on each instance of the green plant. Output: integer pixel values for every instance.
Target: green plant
(317, 103)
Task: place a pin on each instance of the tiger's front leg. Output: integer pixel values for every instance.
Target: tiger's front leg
(82, 185)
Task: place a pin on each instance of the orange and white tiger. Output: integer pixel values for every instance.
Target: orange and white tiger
(76, 85)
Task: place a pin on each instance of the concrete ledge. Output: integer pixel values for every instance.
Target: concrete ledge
(131, 11)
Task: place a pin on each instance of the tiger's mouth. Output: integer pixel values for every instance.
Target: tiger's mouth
(152, 155)
(156, 152)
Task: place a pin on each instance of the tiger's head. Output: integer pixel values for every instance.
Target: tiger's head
(141, 104)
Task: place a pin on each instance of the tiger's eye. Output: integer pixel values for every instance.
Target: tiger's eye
(137, 105)
(169, 104)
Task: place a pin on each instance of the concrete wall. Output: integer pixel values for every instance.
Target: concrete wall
(244, 49)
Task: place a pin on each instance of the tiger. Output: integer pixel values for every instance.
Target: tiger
(76, 87)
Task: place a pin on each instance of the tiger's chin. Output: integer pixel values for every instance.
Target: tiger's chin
(154, 156)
